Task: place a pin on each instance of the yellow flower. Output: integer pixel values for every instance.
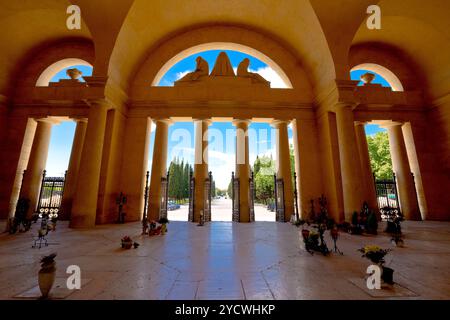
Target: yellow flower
(371, 248)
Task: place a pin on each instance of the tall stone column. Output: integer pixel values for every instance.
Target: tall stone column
(243, 168)
(84, 206)
(307, 164)
(70, 184)
(366, 168)
(159, 167)
(400, 164)
(36, 164)
(283, 166)
(352, 185)
(200, 165)
(134, 168)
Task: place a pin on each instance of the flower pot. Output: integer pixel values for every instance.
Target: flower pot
(388, 275)
(127, 244)
(305, 234)
(46, 279)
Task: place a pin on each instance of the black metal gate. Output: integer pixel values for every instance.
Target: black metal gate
(252, 191)
(235, 197)
(164, 196)
(50, 196)
(279, 198)
(387, 196)
(191, 197)
(207, 198)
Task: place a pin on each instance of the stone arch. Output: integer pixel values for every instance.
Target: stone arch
(48, 59)
(222, 46)
(161, 58)
(49, 73)
(387, 74)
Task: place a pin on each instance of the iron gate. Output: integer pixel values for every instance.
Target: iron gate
(235, 197)
(164, 196)
(191, 197)
(387, 196)
(252, 191)
(50, 196)
(279, 198)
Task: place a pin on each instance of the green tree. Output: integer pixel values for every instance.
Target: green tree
(380, 156)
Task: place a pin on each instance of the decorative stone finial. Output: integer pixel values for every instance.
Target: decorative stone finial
(367, 78)
(74, 73)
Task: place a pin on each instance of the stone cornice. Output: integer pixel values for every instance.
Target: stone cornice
(445, 99)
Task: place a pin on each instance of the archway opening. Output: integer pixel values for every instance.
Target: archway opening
(383, 76)
(57, 71)
(184, 62)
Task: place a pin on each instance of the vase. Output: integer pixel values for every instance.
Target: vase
(367, 78)
(46, 279)
(74, 74)
(388, 275)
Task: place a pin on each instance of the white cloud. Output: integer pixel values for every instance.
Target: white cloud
(181, 74)
(270, 75)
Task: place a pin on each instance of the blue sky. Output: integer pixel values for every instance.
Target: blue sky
(181, 134)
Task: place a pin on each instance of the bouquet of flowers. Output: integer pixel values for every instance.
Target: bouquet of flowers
(374, 253)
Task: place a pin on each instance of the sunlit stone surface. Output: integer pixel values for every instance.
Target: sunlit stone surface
(225, 260)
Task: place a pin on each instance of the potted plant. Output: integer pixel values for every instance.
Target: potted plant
(371, 223)
(47, 273)
(163, 221)
(127, 243)
(376, 255)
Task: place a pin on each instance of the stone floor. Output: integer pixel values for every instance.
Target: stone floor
(225, 260)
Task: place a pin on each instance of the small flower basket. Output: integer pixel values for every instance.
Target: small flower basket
(376, 255)
(127, 243)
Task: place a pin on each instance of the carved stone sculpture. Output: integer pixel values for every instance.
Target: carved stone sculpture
(242, 71)
(202, 69)
(223, 66)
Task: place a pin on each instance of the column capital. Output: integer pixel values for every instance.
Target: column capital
(277, 122)
(207, 121)
(360, 123)
(85, 120)
(345, 104)
(240, 121)
(48, 120)
(389, 123)
(99, 103)
(163, 120)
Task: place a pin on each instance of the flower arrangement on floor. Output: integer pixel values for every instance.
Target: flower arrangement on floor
(314, 239)
(127, 243)
(376, 255)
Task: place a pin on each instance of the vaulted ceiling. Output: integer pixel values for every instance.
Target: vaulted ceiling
(319, 33)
